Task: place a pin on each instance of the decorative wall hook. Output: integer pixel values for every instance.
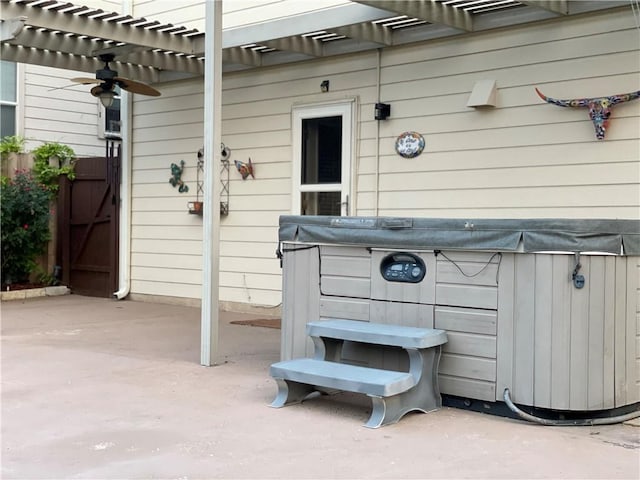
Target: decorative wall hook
(225, 152)
(176, 180)
(245, 169)
(599, 107)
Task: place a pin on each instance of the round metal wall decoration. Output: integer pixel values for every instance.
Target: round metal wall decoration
(410, 144)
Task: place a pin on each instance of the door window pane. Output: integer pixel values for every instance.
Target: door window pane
(112, 117)
(321, 203)
(321, 150)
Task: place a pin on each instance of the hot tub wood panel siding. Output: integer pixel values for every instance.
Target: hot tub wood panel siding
(345, 273)
(350, 309)
(422, 292)
(571, 348)
(464, 387)
(464, 369)
(466, 320)
(553, 345)
(301, 272)
(467, 279)
(397, 313)
(637, 329)
(631, 388)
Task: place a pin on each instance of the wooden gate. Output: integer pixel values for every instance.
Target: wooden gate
(88, 214)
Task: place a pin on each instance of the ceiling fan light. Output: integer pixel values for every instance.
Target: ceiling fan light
(106, 98)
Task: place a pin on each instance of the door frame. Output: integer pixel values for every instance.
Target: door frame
(346, 109)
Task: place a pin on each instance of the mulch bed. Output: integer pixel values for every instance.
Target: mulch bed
(21, 286)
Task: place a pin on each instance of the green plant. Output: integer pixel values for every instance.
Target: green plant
(24, 224)
(12, 144)
(48, 174)
(42, 277)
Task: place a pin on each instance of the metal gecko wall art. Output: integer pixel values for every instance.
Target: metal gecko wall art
(599, 107)
(176, 177)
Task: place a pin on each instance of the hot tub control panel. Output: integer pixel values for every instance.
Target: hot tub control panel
(403, 267)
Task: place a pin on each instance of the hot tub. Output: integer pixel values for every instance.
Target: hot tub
(547, 308)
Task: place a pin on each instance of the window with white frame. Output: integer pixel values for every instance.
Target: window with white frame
(109, 122)
(8, 98)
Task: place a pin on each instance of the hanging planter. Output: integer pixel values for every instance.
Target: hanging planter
(195, 207)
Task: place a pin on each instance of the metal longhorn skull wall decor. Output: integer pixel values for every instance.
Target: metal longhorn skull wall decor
(599, 107)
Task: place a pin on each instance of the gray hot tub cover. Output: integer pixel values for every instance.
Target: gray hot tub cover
(528, 235)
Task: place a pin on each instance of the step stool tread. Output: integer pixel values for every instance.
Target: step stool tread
(341, 376)
(377, 333)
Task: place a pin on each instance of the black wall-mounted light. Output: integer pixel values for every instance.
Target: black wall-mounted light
(324, 86)
(382, 111)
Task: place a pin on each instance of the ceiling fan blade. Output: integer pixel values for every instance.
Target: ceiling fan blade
(85, 80)
(97, 90)
(63, 87)
(136, 87)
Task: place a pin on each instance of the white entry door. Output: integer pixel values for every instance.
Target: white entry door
(322, 157)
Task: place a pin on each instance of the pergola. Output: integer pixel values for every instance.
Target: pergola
(59, 34)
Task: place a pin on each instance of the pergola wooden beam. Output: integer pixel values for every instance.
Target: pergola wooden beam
(556, 6)
(96, 27)
(426, 10)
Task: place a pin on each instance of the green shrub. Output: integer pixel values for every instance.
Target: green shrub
(24, 224)
(47, 174)
(11, 144)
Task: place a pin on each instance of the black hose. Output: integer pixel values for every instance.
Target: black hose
(566, 423)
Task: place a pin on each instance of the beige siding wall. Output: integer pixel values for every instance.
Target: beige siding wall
(256, 124)
(524, 158)
(166, 241)
(68, 114)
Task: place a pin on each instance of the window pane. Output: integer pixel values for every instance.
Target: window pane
(7, 120)
(321, 203)
(112, 116)
(321, 150)
(8, 82)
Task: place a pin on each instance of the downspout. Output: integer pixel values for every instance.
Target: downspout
(124, 233)
(377, 151)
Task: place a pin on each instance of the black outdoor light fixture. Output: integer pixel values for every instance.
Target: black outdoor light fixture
(324, 86)
(382, 111)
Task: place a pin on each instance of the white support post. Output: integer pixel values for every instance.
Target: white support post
(211, 214)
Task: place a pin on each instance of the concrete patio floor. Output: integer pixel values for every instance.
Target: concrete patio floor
(95, 388)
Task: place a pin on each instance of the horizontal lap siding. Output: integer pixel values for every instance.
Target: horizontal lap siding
(256, 124)
(70, 117)
(250, 273)
(164, 235)
(524, 158)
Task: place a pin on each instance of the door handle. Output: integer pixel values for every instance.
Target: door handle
(346, 204)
